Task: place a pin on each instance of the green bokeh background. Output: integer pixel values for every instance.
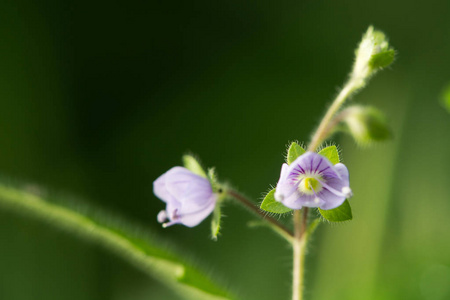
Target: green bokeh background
(97, 99)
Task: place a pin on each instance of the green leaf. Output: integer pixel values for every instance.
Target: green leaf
(193, 165)
(382, 59)
(338, 214)
(331, 153)
(269, 204)
(295, 150)
(140, 248)
(215, 222)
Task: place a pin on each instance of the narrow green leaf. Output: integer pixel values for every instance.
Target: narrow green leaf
(193, 165)
(269, 204)
(142, 250)
(295, 150)
(338, 214)
(215, 222)
(331, 153)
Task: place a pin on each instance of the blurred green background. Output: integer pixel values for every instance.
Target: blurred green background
(97, 99)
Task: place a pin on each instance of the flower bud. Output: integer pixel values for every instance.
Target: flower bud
(189, 197)
(372, 54)
(366, 124)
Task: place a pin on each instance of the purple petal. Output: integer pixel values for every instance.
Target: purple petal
(196, 198)
(311, 200)
(333, 199)
(293, 201)
(160, 190)
(284, 172)
(284, 187)
(179, 180)
(189, 197)
(343, 172)
(310, 162)
(194, 218)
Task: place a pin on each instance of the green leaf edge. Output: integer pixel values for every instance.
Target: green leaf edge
(331, 153)
(145, 252)
(382, 59)
(341, 213)
(269, 204)
(192, 164)
(294, 151)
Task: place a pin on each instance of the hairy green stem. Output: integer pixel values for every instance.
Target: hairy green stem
(324, 129)
(300, 241)
(274, 224)
(159, 263)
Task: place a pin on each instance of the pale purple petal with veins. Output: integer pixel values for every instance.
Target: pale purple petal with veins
(189, 197)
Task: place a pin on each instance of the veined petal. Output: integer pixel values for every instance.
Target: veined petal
(343, 172)
(180, 180)
(331, 200)
(196, 198)
(332, 191)
(311, 163)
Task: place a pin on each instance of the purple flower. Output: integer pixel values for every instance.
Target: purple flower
(313, 181)
(189, 197)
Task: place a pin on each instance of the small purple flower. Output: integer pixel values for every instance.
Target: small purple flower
(189, 197)
(313, 181)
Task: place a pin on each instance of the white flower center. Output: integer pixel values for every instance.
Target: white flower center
(309, 184)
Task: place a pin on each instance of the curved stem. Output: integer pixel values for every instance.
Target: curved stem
(274, 224)
(324, 129)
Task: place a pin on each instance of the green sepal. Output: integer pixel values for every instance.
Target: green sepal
(212, 177)
(331, 153)
(294, 151)
(382, 59)
(215, 222)
(193, 165)
(339, 214)
(269, 204)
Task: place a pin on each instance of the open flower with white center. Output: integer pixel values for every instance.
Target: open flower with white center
(313, 181)
(189, 197)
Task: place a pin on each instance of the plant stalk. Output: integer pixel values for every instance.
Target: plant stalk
(324, 129)
(300, 240)
(274, 224)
